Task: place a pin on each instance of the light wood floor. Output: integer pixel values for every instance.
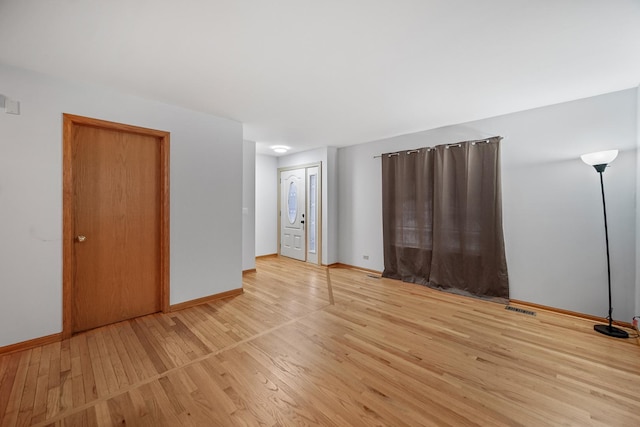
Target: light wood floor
(387, 353)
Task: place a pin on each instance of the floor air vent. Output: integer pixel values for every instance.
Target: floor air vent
(521, 310)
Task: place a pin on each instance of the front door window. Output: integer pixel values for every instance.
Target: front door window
(292, 202)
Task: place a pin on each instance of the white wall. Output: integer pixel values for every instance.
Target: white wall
(332, 206)
(206, 196)
(326, 155)
(552, 210)
(266, 205)
(248, 205)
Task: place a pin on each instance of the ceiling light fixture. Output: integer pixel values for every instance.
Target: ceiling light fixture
(280, 148)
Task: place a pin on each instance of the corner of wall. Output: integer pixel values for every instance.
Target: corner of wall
(637, 194)
(266, 204)
(248, 205)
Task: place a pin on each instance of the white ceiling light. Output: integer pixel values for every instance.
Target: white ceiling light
(280, 148)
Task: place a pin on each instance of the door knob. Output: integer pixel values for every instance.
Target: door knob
(81, 238)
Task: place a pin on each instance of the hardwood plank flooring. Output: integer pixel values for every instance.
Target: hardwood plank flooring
(384, 353)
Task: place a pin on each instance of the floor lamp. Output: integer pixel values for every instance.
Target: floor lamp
(599, 161)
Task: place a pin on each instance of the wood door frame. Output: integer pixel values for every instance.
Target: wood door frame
(68, 214)
(319, 208)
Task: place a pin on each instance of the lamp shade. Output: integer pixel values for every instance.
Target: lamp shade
(599, 157)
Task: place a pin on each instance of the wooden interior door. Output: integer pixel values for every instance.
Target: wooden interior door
(118, 223)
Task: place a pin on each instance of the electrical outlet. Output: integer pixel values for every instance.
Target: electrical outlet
(365, 256)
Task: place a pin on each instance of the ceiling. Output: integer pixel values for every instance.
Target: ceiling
(333, 72)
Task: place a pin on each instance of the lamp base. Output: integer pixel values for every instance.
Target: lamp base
(612, 331)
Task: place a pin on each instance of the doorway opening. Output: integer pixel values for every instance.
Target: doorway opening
(300, 212)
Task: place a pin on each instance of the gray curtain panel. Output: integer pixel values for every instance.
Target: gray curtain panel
(442, 218)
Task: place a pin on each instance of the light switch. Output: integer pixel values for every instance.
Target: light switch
(11, 106)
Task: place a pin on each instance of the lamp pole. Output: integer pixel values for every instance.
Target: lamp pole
(609, 329)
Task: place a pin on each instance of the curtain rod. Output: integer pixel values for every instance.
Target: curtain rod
(457, 144)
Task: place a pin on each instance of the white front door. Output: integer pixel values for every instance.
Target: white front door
(292, 214)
